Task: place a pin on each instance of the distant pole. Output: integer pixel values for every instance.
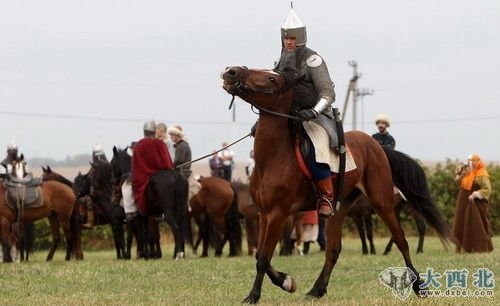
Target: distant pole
(234, 112)
(354, 92)
(362, 93)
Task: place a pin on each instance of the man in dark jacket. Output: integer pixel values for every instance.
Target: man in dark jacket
(383, 137)
(182, 150)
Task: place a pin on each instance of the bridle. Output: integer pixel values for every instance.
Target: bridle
(243, 88)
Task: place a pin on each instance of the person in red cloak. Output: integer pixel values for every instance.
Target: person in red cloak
(150, 155)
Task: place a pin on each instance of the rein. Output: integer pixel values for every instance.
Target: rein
(208, 155)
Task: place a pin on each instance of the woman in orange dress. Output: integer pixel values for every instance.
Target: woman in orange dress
(472, 226)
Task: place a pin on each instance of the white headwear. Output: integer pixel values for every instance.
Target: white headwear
(12, 145)
(96, 148)
(175, 131)
(384, 118)
(149, 126)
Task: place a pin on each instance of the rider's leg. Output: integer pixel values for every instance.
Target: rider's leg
(322, 177)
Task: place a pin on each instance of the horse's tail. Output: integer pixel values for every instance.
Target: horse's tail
(410, 178)
(233, 224)
(75, 228)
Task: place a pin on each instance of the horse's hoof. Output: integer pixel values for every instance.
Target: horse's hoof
(179, 256)
(251, 299)
(316, 293)
(416, 288)
(289, 284)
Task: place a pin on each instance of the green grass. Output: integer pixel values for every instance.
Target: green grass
(100, 279)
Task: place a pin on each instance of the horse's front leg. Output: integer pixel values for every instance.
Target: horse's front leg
(271, 228)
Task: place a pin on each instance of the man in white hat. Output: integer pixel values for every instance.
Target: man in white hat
(383, 137)
(11, 153)
(183, 155)
(182, 150)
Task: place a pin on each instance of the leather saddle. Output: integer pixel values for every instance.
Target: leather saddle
(23, 193)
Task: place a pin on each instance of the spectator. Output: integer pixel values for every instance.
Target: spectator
(227, 157)
(471, 225)
(216, 166)
(161, 133)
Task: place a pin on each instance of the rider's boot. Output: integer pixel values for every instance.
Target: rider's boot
(90, 219)
(325, 197)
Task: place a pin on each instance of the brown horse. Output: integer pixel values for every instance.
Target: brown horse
(250, 213)
(58, 202)
(76, 220)
(279, 188)
(217, 203)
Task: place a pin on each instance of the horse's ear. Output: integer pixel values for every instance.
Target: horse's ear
(49, 170)
(22, 157)
(43, 169)
(79, 173)
(115, 150)
(126, 148)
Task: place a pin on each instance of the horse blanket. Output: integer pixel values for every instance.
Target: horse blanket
(322, 143)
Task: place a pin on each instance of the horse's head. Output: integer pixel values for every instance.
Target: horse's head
(121, 164)
(19, 167)
(261, 88)
(81, 187)
(48, 174)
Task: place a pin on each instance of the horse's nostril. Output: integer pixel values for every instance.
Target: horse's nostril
(231, 73)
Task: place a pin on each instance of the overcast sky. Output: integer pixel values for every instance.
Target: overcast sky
(434, 67)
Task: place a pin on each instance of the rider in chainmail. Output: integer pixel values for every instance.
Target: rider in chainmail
(312, 98)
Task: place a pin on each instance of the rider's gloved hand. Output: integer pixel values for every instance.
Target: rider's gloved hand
(308, 114)
(254, 129)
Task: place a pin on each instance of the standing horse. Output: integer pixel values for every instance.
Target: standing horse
(279, 187)
(361, 213)
(217, 202)
(250, 213)
(96, 186)
(166, 194)
(76, 224)
(57, 205)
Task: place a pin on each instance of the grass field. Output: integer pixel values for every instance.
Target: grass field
(100, 279)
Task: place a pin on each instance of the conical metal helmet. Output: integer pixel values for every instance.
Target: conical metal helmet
(294, 27)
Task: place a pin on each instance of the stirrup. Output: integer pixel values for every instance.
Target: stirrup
(322, 202)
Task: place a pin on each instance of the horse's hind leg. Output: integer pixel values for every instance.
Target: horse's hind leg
(397, 210)
(358, 221)
(421, 231)
(387, 214)
(369, 232)
(69, 239)
(56, 236)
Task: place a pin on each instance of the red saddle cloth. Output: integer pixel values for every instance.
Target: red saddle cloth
(150, 156)
(301, 161)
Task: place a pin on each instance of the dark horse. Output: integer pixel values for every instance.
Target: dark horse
(217, 204)
(279, 187)
(96, 186)
(76, 224)
(361, 213)
(166, 194)
(137, 225)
